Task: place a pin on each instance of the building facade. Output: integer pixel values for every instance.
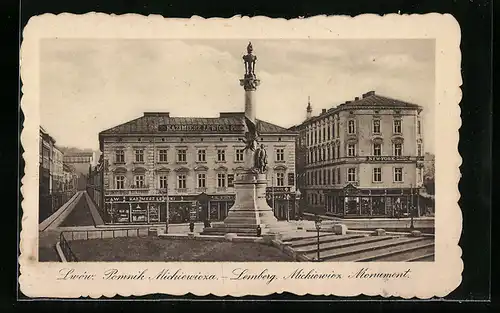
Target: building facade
(56, 179)
(81, 161)
(190, 165)
(363, 158)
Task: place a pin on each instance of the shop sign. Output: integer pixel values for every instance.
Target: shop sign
(387, 158)
(222, 198)
(147, 198)
(278, 189)
(198, 128)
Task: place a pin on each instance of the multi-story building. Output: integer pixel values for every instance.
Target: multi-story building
(362, 158)
(81, 161)
(54, 176)
(192, 163)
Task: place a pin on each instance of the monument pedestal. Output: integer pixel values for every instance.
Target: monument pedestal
(250, 210)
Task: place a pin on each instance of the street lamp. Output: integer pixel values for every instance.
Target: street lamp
(167, 215)
(317, 222)
(288, 207)
(298, 194)
(412, 210)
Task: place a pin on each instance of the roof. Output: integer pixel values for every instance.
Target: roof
(369, 99)
(226, 123)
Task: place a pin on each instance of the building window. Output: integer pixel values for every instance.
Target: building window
(221, 180)
(162, 154)
(181, 155)
(239, 155)
(120, 156)
(351, 150)
(280, 179)
(202, 155)
(351, 174)
(338, 152)
(329, 133)
(324, 134)
(419, 130)
(377, 174)
(230, 180)
(221, 155)
(120, 182)
(377, 149)
(139, 155)
(333, 176)
(338, 176)
(181, 181)
(398, 149)
(328, 154)
(280, 155)
(333, 129)
(163, 182)
(398, 174)
(376, 126)
(139, 181)
(201, 180)
(397, 126)
(419, 149)
(351, 127)
(419, 173)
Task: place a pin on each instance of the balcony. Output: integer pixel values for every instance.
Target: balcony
(201, 189)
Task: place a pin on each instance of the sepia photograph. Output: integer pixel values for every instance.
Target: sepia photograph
(247, 153)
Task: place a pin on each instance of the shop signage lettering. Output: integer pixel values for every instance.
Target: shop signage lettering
(147, 198)
(222, 198)
(200, 128)
(278, 189)
(387, 158)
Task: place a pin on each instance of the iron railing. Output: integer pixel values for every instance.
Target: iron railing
(66, 249)
(66, 237)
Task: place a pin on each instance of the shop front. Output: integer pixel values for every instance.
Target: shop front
(282, 200)
(356, 202)
(149, 209)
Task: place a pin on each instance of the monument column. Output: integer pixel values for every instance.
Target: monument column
(250, 210)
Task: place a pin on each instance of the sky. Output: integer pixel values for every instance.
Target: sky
(88, 85)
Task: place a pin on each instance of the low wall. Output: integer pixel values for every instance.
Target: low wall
(55, 219)
(104, 233)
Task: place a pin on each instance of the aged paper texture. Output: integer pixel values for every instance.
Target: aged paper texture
(241, 156)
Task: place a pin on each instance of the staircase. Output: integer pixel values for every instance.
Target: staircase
(364, 248)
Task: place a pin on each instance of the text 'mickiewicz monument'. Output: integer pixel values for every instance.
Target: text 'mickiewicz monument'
(250, 209)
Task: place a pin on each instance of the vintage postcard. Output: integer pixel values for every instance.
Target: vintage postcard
(241, 156)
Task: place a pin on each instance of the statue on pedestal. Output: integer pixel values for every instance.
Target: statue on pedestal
(249, 62)
(261, 159)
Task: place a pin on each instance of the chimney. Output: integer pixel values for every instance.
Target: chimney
(369, 93)
(356, 99)
(323, 111)
(164, 114)
(231, 114)
(347, 102)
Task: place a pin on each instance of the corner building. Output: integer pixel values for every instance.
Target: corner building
(363, 158)
(190, 161)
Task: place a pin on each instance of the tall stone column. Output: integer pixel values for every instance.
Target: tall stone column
(250, 209)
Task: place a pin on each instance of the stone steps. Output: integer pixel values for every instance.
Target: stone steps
(336, 253)
(398, 253)
(323, 240)
(341, 243)
(429, 257)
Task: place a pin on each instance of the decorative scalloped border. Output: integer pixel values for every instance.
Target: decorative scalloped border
(428, 280)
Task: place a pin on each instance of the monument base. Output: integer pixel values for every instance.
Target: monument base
(250, 210)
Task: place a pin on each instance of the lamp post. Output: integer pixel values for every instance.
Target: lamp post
(412, 209)
(298, 194)
(317, 222)
(288, 207)
(167, 215)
